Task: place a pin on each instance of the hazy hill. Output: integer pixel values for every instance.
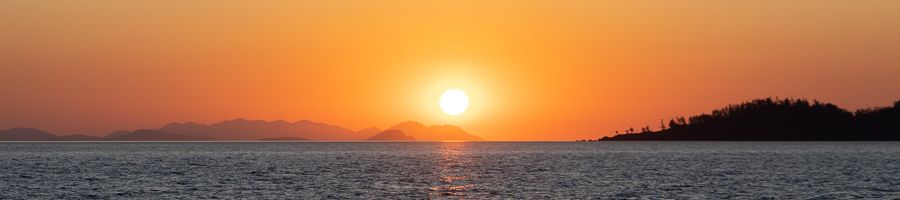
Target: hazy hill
(26, 134)
(369, 131)
(155, 135)
(117, 133)
(241, 129)
(434, 132)
(775, 119)
(32, 134)
(392, 135)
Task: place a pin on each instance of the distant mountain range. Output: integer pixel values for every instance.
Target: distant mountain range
(17, 134)
(777, 120)
(154, 135)
(415, 131)
(395, 135)
(242, 129)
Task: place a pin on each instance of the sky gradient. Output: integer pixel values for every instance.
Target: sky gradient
(535, 70)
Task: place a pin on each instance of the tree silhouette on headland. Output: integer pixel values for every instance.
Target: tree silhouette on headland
(779, 120)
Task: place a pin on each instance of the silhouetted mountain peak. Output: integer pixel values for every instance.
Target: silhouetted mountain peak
(313, 123)
(30, 131)
(304, 122)
(368, 132)
(407, 125)
(369, 129)
(240, 121)
(183, 125)
(392, 135)
(434, 132)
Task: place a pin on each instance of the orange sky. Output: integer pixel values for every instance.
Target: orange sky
(536, 70)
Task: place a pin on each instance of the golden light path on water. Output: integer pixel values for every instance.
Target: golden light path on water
(451, 167)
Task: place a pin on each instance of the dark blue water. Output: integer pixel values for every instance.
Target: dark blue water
(563, 170)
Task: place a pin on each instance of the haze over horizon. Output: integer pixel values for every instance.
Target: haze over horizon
(534, 70)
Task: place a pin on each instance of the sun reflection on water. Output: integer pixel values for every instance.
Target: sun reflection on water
(452, 180)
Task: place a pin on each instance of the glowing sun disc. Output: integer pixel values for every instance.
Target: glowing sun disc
(454, 102)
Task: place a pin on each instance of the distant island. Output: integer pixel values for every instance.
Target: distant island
(249, 130)
(776, 120)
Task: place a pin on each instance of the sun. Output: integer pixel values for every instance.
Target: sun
(454, 102)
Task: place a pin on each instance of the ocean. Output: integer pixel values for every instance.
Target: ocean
(449, 170)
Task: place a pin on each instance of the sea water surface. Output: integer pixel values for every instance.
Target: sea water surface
(454, 170)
